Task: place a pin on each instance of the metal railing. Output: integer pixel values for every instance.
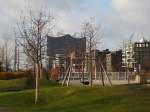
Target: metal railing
(98, 76)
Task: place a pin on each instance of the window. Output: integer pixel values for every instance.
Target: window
(143, 45)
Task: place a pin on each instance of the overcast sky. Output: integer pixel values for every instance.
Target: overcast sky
(119, 19)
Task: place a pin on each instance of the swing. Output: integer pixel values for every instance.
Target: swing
(85, 82)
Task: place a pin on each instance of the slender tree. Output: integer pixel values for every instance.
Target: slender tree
(92, 33)
(33, 28)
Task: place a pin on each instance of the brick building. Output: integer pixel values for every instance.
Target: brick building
(114, 61)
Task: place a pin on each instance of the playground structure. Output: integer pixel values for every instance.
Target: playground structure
(77, 70)
(68, 73)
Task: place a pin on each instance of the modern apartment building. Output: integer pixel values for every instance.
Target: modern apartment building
(128, 61)
(136, 55)
(142, 55)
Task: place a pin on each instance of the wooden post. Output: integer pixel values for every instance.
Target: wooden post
(66, 74)
(70, 72)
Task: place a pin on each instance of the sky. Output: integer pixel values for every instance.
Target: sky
(119, 19)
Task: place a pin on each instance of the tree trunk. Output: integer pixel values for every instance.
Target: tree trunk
(37, 83)
(91, 73)
(41, 71)
(83, 66)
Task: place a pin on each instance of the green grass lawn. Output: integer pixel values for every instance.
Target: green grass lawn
(23, 84)
(12, 84)
(79, 99)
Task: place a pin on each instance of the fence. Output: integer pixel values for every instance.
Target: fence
(98, 76)
(116, 75)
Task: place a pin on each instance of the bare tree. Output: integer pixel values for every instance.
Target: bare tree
(6, 52)
(2, 56)
(92, 33)
(33, 29)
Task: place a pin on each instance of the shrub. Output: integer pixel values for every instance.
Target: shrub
(12, 75)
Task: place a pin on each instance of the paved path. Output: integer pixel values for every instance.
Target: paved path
(99, 82)
(4, 110)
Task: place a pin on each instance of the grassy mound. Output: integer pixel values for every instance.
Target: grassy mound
(79, 99)
(14, 84)
(22, 84)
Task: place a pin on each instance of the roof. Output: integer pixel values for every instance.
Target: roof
(142, 40)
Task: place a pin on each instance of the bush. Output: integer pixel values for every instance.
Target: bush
(12, 75)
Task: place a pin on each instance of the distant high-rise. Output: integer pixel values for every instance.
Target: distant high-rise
(136, 56)
(128, 61)
(142, 55)
(64, 45)
(59, 47)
